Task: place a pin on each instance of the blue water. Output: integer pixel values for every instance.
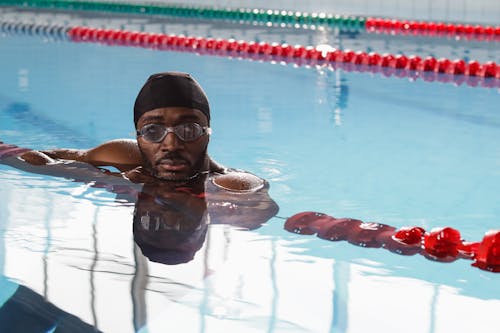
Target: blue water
(347, 144)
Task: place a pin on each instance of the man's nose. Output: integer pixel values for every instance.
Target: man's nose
(171, 142)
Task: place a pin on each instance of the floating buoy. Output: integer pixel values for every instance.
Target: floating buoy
(440, 244)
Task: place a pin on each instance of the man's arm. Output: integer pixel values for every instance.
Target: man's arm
(38, 162)
(122, 154)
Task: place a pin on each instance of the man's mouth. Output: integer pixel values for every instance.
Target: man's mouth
(172, 165)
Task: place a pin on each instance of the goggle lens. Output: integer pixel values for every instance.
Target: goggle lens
(186, 132)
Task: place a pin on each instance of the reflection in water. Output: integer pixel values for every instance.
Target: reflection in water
(183, 211)
(25, 114)
(170, 226)
(138, 287)
(170, 223)
(341, 276)
(46, 251)
(337, 96)
(93, 267)
(28, 312)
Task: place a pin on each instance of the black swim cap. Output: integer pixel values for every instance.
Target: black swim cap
(170, 89)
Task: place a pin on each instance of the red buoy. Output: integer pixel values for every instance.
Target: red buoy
(410, 235)
(442, 243)
(488, 253)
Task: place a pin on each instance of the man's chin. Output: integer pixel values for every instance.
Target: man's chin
(174, 176)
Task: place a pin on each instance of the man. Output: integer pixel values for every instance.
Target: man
(177, 188)
(172, 119)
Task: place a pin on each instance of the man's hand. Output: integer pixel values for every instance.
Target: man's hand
(7, 151)
(34, 157)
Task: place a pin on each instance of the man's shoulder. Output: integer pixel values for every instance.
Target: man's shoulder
(236, 180)
(121, 153)
(124, 147)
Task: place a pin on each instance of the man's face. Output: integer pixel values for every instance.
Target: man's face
(172, 158)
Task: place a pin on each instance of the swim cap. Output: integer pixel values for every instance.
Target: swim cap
(170, 89)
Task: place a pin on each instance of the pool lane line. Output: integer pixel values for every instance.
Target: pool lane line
(429, 69)
(354, 23)
(50, 31)
(241, 15)
(391, 26)
(444, 244)
(23, 113)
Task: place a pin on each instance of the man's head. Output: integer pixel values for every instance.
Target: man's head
(172, 115)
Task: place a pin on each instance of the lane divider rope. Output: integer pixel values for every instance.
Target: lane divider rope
(52, 31)
(278, 17)
(442, 244)
(213, 13)
(433, 29)
(456, 71)
(430, 69)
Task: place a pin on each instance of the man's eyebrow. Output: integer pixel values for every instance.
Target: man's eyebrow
(161, 119)
(189, 117)
(152, 118)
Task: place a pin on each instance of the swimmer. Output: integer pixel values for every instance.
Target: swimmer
(172, 121)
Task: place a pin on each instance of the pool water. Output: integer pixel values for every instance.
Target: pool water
(390, 150)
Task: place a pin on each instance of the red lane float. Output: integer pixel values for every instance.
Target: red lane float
(455, 71)
(440, 244)
(432, 29)
(487, 255)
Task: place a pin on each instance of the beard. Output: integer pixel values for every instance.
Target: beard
(200, 165)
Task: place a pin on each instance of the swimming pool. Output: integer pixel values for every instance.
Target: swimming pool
(345, 143)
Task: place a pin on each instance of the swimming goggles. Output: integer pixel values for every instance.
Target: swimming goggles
(186, 132)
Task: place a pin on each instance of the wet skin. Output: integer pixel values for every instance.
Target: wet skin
(173, 159)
